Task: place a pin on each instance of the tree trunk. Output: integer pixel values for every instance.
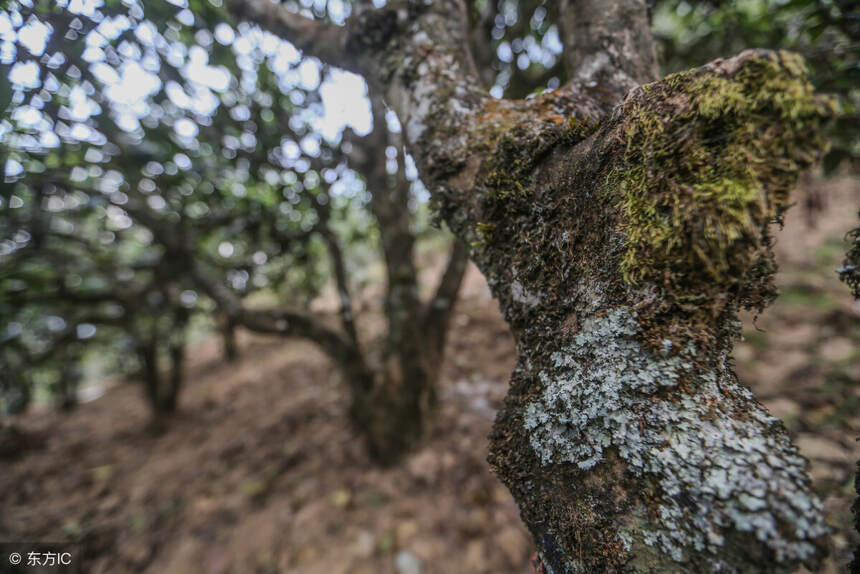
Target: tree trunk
(228, 339)
(162, 389)
(405, 392)
(67, 388)
(395, 415)
(147, 353)
(437, 315)
(620, 234)
(169, 399)
(176, 355)
(620, 231)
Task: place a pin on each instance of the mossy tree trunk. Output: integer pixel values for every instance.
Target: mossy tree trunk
(621, 222)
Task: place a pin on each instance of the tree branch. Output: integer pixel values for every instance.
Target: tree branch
(608, 43)
(347, 317)
(282, 322)
(389, 205)
(326, 42)
(620, 253)
(437, 315)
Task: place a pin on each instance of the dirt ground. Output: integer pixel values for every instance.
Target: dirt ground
(260, 473)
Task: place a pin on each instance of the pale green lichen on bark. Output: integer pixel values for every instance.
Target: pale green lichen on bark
(721, 464)
(710, 158)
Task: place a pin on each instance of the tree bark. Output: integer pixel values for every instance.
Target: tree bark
(148, 357)
(176, 356)
(608, 44)
(67, 388)
(620, 236)
(341, 281)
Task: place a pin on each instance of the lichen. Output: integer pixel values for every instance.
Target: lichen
(720, 465)
(522, 295)
(710, 158)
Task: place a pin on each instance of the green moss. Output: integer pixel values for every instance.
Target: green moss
(484, 231)
(710, 158)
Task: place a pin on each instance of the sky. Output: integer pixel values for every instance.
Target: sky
(127, 86)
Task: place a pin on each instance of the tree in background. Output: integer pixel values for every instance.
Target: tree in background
(78, 274)
(621, 221)
(207, 181)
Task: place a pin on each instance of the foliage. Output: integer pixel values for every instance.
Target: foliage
(164, 162)
(519, 48)
(142, 141)
(130, 130)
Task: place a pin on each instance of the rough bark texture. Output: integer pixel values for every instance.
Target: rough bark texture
(620, 234)
(608, 43)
